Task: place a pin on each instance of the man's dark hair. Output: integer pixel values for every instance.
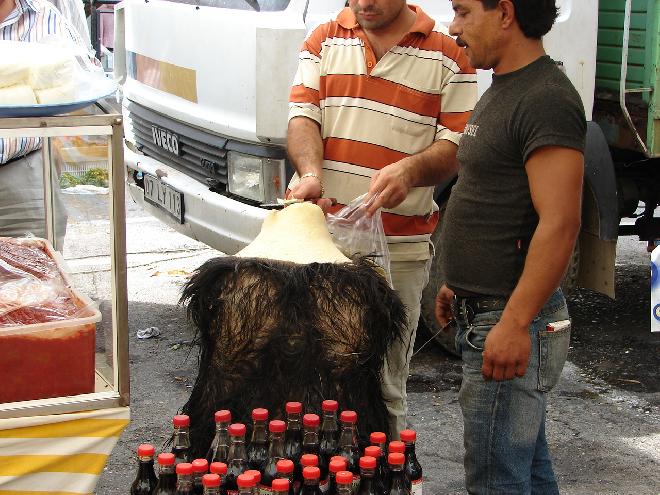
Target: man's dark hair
(535, 17)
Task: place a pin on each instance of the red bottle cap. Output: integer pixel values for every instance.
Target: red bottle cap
(311, 472)
(245, 480)
(166, 459)
(255, 474)
(329, 405)
(367, 462)
(311, 420)
(373, 451)
(396, 446)
(396, 458)
(218, 468)
(200, 466)
(348, 416)
(222, 416)
(211, 480)
(184, 468)
(337, 465)
(277, 426)
(260, 414)
(284, 466)
(146, 450)
(408, 436)
(293, 407)
(344, 478)
(237, 430)
(309, 460)
(281, 485)
(378, 437)
(181, 420)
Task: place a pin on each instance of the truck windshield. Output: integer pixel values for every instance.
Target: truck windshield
(256, 5)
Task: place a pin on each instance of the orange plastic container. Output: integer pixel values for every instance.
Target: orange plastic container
(51, 359)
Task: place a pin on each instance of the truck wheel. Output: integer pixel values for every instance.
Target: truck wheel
(436, 279)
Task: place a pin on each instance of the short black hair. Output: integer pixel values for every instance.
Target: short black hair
(535, 17)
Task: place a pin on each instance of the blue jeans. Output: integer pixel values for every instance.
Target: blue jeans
(505, 444)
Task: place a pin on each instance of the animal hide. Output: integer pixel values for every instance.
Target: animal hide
(271, 332)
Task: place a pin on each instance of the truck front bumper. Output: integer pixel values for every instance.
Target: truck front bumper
(221, 222)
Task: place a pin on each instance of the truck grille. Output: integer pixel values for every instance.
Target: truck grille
(202, 155)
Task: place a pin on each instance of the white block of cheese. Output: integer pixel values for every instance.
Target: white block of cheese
(60, 94)
(19, 94)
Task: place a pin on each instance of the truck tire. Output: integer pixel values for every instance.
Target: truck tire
(446, 339)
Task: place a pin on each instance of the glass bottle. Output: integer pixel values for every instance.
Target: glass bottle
(257, 480)
(285, 469)
(367, 473)
(311, 445)
(258, 448)
(275, 454)
(344, 483)
(219, 450)
(181, 438)
(145, 480)
(281, 486)
(184, 475)
(219, 468)
(166, 476)
(245, 484)
(311, 477)
(237, 460)
(211, 484)
(380, 476)
(397, 483)
(293, 440)
(200, 468)
(348, 447)
(379, 439)
(412, 467)
(329, 435)
(337, 463)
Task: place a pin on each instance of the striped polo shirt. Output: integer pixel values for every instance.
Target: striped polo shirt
(375, 112)
(32, 20)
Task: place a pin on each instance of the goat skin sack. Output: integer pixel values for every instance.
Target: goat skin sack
(290, 318)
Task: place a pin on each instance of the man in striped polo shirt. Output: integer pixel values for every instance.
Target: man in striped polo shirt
(21, 169)
(379, 102)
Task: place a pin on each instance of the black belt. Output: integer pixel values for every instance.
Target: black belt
(468, 307)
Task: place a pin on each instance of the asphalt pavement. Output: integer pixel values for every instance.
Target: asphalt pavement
(603, 424)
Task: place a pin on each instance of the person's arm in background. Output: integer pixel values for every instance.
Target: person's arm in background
(304, 141)
(555, 177)
(437, 163)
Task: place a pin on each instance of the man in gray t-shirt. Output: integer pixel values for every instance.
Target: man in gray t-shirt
(510, 227)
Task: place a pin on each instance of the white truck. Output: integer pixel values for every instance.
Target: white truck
(205, 89)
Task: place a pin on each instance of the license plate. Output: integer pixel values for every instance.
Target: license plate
(165, 139)
(164, 196)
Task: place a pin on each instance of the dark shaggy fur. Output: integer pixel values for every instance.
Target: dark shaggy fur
(272, 332)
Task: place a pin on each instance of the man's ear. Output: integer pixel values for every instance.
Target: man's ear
(507, 13)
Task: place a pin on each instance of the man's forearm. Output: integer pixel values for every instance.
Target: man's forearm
(304, 145)
(545, 265)
(434, 165)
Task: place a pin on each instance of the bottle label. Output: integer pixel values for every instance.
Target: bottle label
(356, 482)
(417, 487)
(324, 486)
(265, 490)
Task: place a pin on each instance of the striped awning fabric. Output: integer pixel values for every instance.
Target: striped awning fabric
(61, 454)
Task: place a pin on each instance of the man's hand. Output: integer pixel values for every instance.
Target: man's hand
(443, 313)
(389, 187)
(506, 352)
(309, 188)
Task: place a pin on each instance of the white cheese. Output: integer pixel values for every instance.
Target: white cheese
(59, 94)
(19, 94)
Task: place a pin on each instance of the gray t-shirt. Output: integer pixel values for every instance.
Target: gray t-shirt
(490, 217)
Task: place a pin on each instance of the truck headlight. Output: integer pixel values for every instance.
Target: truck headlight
(258, 179)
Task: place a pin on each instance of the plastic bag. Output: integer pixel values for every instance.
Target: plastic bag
(355, 233)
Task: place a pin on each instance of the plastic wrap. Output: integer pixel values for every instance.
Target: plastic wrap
(356, 233)
(32, 287)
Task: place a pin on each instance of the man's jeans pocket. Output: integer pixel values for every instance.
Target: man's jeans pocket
(553, 350)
